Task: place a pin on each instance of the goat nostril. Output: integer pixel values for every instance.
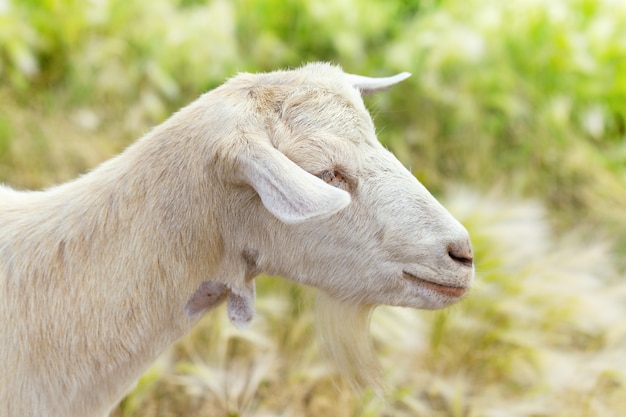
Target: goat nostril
(461, 252)
(463, 260)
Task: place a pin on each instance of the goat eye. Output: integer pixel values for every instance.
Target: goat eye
(335, 178)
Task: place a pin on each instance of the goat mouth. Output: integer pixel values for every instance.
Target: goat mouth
(448, 290)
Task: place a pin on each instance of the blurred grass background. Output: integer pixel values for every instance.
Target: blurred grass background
(515, 117)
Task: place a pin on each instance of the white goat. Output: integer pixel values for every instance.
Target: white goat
(278, 173)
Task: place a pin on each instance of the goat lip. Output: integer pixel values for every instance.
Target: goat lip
(448, 290)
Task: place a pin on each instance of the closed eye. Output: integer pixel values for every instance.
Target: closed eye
(337, 179)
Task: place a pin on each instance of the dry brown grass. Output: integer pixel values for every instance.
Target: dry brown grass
(540, 335)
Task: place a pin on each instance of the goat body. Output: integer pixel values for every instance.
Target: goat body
(100, 275)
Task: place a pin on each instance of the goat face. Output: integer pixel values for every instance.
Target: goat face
(339, 212)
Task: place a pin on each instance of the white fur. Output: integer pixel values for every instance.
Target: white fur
(278, 173)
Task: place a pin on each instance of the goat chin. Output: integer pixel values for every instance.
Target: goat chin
(347, 342)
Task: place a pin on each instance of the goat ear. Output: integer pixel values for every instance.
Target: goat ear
(368, 85)
(290, 193)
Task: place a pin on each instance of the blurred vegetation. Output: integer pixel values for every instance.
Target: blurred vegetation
(524, 96)
(529, 95)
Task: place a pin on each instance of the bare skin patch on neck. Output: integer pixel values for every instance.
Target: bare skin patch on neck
(210, 294)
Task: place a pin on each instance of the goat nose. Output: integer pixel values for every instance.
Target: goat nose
(460, 251)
